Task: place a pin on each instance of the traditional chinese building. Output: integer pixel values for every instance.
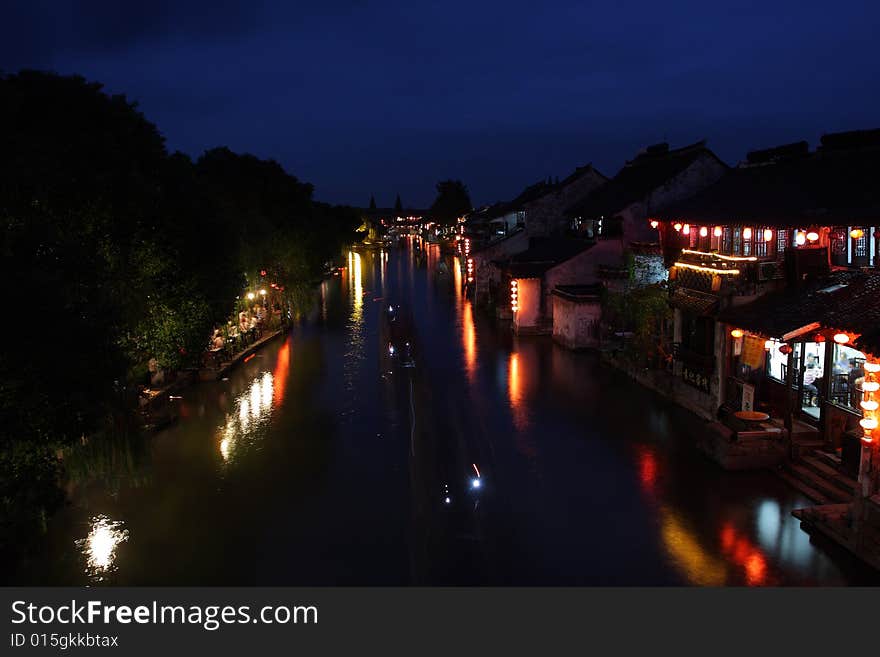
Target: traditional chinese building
(774, 285)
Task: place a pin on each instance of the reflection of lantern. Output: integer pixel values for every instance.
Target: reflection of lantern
(677, 227)
(686, 229)
(747, 233)
(800, 238)
(768, 235)
(841, 338)
(736, 333)
(717, 231)
(785, 349)
(655, 223)
(716, 282)
(704, 231)
(856, 233)
(812, 236)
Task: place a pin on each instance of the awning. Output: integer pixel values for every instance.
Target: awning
(693, 302)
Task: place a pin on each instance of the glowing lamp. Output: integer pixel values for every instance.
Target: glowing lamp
(870, 386)
(819, 338)
(655, 223)
(873, 368)
(262, 272)
(736, 333)
(677, 227)
(768, 345)
(812, 236)
(686, 229)
(868, 423)
(250, 296)
(747, 233)
(768, 235)
(857, 233)
(801, 238)
(785, 349)
(841, 338)
(704, 231)
(263, 291)
(870, 405)
(717, 231)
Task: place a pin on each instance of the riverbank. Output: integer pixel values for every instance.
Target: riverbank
(790, 458)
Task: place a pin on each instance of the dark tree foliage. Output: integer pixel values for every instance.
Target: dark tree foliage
(398, 206)
(452, 202)
(115, 252)
(372, 202)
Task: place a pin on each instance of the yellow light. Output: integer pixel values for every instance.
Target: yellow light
(263, 292)
(841, 338)
(870, 386)
(717, 231)
(686, 229)
(768, 345)
(655, 223)
(711, 270)
(677, 227)
(768, 235)
(800, 238)
(747, 233)
(856, 233)
(872, 367)
(870, 405)
(704, 231)
(250, 296)
(721, 257)
(868, 423)
(812, 236)
(736, 333)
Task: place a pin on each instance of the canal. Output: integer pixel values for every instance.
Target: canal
(466, 456)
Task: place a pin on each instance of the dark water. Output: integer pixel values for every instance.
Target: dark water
(494, 460)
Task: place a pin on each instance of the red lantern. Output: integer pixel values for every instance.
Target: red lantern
(785, 349)
(262, 272)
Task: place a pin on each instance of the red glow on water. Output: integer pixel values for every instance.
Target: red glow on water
(647, 468)
(745, 554)
(249, 357)
(279, 376)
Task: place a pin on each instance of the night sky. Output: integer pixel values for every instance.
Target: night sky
(389, 97)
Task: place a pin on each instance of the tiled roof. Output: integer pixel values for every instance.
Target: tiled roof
(578, 292)
(638, 178)
(845, 301)
(789, 187)
(694, 302)
(544, 253)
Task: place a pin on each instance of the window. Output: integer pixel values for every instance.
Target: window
(761, 247)
(860, 245)
(737, 240)
(747, 244)
(847, 375)
(781, 241)
(727, 244)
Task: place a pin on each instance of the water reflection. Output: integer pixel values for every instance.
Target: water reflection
(99, 547)
(254, 408)
(516, 393)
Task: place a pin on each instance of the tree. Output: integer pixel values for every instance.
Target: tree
(452, 202)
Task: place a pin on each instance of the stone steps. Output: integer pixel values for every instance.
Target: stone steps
(830, 473)
(808, 491)
(831, 491)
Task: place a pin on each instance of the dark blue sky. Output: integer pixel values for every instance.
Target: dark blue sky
(388, 97)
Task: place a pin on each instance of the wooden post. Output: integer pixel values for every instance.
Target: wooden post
(789, 410)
